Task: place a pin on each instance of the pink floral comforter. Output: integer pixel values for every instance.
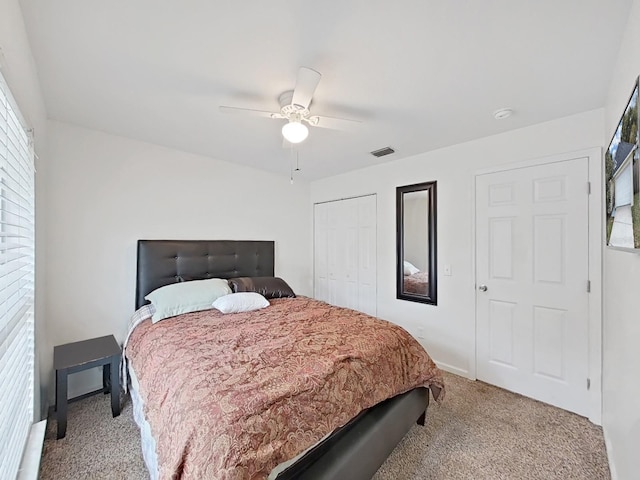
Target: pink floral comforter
(417, 283)
(231, 396)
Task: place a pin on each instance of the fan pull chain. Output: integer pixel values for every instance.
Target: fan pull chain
(291, 168)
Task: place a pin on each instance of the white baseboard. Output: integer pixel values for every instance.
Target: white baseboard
(451, 369)
(607, 444)
(30, 465)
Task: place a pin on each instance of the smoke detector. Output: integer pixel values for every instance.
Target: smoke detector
(502, 113)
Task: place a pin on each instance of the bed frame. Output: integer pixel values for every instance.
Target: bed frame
(354, 451)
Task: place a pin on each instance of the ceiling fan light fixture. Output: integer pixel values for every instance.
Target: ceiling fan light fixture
(295, 131)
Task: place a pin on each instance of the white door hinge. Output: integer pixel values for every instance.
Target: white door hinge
(588, 383)
(589, 188)
(588, 286)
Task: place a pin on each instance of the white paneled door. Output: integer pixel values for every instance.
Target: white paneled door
(345, 253)
(532, 325)
(321, 251)
(367, 255)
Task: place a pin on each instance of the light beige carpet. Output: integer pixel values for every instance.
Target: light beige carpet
(479, 432)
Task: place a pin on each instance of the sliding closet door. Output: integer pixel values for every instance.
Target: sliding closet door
(321, 251)
(349, 249)
(345, 253)
(367, 255)
(336, 252)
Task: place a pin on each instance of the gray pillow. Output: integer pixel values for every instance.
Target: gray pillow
(268, 287)
(185, 297)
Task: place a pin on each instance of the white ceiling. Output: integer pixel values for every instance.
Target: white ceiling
(420, 74)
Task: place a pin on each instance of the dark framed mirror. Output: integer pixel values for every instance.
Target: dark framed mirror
(416, 276)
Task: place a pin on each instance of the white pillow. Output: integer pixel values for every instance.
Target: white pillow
(240, 302)
(185, 297)
(409, 269)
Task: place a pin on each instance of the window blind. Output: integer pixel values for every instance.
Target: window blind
(17, 202)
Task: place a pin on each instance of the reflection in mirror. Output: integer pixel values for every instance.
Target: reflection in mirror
(416, 242)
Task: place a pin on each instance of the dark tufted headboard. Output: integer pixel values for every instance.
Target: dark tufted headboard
(161, 262)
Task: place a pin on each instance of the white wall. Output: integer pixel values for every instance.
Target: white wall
(449, 326)
(19, 71)
(621, 322)
(106, 192)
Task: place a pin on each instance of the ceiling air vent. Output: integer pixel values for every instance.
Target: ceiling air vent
(383, 151)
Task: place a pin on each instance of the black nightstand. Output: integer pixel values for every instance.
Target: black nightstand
(78, 356)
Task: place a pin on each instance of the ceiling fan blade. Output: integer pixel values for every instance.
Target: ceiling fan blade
(249, 111)
(306, 84)
(333, 123)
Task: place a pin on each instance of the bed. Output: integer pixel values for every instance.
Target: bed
(336, 443)
(414, 280)
(417, 283)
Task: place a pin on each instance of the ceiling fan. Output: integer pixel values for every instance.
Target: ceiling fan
(294, 107)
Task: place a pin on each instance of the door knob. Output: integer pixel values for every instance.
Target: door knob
(482, 288)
